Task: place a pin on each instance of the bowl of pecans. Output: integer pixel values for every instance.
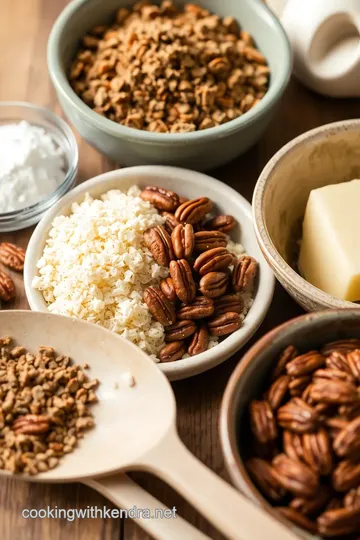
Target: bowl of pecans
(169, 83)
(290, 424)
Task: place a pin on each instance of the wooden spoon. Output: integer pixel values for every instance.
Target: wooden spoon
(135, 426)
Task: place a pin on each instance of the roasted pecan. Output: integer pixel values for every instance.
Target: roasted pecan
(171, 221)
(167, 287)
(214, 284)
(296, 415)
(31, 424)
(224, 324)
(172, 351)
(350, 411)
(205, 240)
(342, 345)
(353, 359)
(347, 442)
(229, 302)
(12, 256)
(338, 360)
(194, 210)
(288, 354)
(200, 341)
(335, 425)
(213, 260)
(184, 283)
(277, 391)
(262, 421)
(159, 243)
(332, 374)
(297, 385)
(339, 392)
(293, 446)
(346, 475)
(313, 506)
(7, 287)
(244, 274)
(200, 308)
(223, 224)
(179, 331)
(317, 451)
(306, 395)
(352, 498)
(305, 364)
(298, 519)
(339, 522)
(183, 240)
(295, 476)
(266, 478)
(162, 199)
(159, 306)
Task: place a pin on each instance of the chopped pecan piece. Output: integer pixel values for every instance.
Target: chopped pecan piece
(225, 324)
(295, 476)
(297, 518)
(262, 421)
(214, 284)
(12, 256)
(223, 224)
(183, 240)
(229, 302)
(180, 330)
(184, 284)
(296, 415)
(339, 522)
(200, 341)
(206, 240)
(305, 364)
(199, 308)
(213, 260)
(167, 287)
(159, 243)
(162, 199)
(277, 391)
(159, 306)
(266, 478)
(347, 442)
(244, 274)
(194, 210)
(317, 451)
(172, 351)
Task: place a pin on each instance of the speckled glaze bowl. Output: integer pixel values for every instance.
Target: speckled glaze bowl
(250, 379)
(326, 155)
(200, 150)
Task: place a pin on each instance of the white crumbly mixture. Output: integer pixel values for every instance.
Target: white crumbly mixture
(96, 266)
(32, 166)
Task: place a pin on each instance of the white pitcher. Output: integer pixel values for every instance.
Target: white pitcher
(325, 36)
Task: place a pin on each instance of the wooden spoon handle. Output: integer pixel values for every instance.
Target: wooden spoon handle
(126, 494)
(220, 503)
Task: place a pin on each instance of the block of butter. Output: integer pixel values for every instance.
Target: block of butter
(330, 246)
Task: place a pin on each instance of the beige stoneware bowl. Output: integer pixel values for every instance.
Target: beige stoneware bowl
(326, 155)
(190, 184)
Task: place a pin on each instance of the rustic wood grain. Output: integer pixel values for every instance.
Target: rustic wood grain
(24, 29)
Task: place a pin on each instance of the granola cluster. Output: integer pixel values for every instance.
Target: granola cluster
(44, 407)
(164, 70)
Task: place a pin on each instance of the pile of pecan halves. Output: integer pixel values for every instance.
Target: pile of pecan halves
(306, 439)
(202, 296)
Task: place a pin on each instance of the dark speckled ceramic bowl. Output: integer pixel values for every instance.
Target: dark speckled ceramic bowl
(250, 379)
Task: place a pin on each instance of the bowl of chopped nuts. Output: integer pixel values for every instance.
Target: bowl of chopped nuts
(141, 252)
(290, 420)
(187, 85)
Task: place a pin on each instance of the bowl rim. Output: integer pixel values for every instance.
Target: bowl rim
(228, 409)
(272, 255)
(61, 83)
(189, 366)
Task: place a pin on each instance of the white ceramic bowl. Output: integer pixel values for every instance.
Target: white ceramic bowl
(190, 184)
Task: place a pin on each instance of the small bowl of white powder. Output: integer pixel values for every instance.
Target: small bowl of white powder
(38, 165)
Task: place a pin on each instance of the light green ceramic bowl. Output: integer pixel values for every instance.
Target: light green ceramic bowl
(198, 150)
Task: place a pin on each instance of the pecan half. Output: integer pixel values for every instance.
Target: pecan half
(162, 199)
(346, 475)
(244, 274)
(265, 477)
(353, 359)
(172, 351)
(167, 287)
(7, 287)
(339, 522)
(12, 256)
(184, 283)
(332, 374)
(317, 451)
(338, 360)
(262, 421)
(170, 221)
(213, 260)
(224, 324)
(338, 392)
(347, 442)
(295, 476)
(229, 302)
(31, 424)
(297, 518)
(199, 308)
(293, 447)
(288, 354)
(305, 364)
(200, 341)
(194, 210)
(183, 240)
(313, 506)
(223, 224)
(296, 415)
(179, 331)
(342, 346)
(277, 391)
(352, 498)
(297, 385)
(159, 243)
(214, 284)
(159, 306)
(205, 240)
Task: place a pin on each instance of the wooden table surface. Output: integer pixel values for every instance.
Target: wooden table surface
(24, 29)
